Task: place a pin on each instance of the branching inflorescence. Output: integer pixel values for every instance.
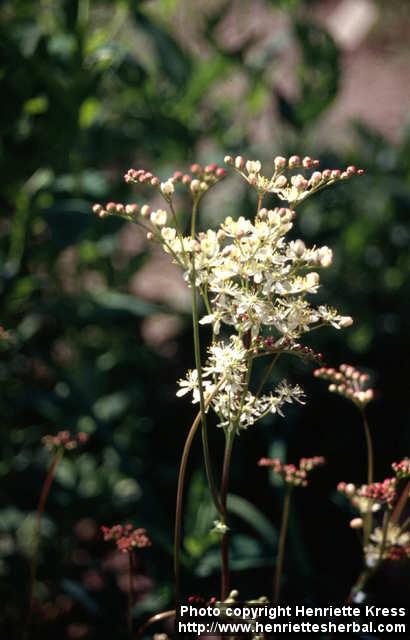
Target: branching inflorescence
(256, 286)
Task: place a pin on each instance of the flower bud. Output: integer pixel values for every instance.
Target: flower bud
(228, 160)
(159, 217)
(154, 182)
(195, 186)
(307, 162)
(111, 207)
(315, 178)
(281, 182)
(294, 161)
(196, 168)
(220, 172)
(239, 162)
(326, 174)
(167, 189)
(131, 209)
(279, 163)
(299, 248)
(253, 166)
(346, 321)
(356, 523)
(335, 174)
(145, 210)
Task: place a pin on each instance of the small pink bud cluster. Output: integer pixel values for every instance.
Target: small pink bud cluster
(402, 468)
(251, 170)
(292, 475)
(140, 176)
(65, 440)
(126, 537)
(348, 382)
(286, 214)
(270, 344)
(127, 211)
(377, 492)
(201, 178)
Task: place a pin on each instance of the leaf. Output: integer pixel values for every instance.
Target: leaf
(175, 64)
(254, 517)
(76, 591)
(124, 302)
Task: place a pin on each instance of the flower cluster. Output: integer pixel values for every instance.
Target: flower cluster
(236, 407)
(292, 475)
(126, 537)
(294, 188)
(402, 468)
(370, 497)
(64, 440)
(348, 382)
(255, 284)
(391, 544)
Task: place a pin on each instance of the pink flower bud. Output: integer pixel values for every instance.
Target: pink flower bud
(294, 161)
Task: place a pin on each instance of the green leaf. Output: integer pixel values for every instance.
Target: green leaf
(254, 517)
(123, 302)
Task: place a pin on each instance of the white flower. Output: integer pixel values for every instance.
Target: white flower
(159, 218)
(167, 189)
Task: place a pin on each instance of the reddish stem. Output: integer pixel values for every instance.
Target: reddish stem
(45, 490)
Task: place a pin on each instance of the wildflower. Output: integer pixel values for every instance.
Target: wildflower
(348, 382)
(370, 497)
(167, 189)
(391, 543)
(292, 475)
(220, 528)
(64, 440)
(126, 537)
(402, 468)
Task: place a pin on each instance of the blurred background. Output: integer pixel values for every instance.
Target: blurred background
(96, 322)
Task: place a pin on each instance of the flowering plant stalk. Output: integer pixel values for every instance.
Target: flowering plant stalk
(255, 287)
(127, 538)
(60, 443)
(389, 540)
(292, 476)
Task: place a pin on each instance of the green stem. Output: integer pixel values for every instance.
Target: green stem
(225, 577)
(198, 365)
(281, 546)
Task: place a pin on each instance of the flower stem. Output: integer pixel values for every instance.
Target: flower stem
(130, 593)
(180, 492)
(368, 520)
(281, 546)
(198, 365)
(45, 490)
(225, 578)
(401, 503)
(369, 445)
